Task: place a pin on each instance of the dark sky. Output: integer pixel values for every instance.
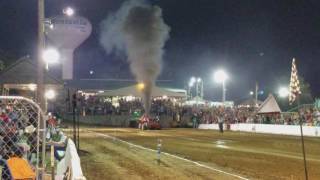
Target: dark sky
(254, 40)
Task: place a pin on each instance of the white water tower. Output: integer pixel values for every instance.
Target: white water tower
(67, 33)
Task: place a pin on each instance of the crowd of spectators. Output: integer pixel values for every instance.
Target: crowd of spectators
(309, 117)
(100, 106)
(17, 141)
(204, 115)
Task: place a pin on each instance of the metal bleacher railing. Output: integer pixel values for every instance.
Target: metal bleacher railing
(22, 139)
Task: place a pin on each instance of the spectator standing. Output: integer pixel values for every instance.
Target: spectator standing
(194, 120)
(317, 117)
(221, 121)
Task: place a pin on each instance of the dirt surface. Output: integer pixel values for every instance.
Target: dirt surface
(253, 156)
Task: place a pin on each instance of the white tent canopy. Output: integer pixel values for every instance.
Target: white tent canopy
(136, 92)
(250, 102)
(195, 101)
(270, 105)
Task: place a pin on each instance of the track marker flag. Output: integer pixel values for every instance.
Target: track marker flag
(294, 87)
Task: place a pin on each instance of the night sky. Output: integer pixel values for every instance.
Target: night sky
(253, 40)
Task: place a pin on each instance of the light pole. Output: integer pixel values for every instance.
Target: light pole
(40, 95)
(49, 95)
(189, 90)
(199, 87)
(40, 67)
(40, 88)
(191, 83)
(221, 76)
(223, 91)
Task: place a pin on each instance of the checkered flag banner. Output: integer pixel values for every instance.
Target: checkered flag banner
(294, 83)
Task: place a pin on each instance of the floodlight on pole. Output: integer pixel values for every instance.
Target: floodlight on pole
(251, 92)
(283, 92)
(51, 55)
(193, 80)
(199, 80)
(221, 76)
(50, 94)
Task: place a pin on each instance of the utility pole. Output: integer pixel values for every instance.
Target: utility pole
(40, 86)
(40, 63)
(197, 93)
(256, 94)
(223, 92)
(201, 95)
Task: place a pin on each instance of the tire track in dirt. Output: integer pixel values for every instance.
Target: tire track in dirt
(173, 156)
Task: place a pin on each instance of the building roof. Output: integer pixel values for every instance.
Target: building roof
(24, 71)
(109, 83)
(136, 92)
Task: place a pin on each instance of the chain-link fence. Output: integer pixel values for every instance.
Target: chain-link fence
(21, 139)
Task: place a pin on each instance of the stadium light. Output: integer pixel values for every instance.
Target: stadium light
(51, 55)
(50, 94)
(193, 80)
(199, 80)
(190, 84)
(251, 92)
(221, 76)
(283, 92)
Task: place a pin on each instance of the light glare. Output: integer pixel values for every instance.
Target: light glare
(68, 11)
(32, 87)
(141, 86)
(220, 76)
(283, 92)
(193, 80)
(51, 56)
(50, 94)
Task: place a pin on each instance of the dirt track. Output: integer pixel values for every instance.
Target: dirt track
(255, 156)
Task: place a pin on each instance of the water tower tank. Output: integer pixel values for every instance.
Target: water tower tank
(67, 34)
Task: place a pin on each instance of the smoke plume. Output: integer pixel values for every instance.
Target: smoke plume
(137, 29)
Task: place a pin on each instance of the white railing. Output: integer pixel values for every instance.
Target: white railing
(269, 129)
(70, 165)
